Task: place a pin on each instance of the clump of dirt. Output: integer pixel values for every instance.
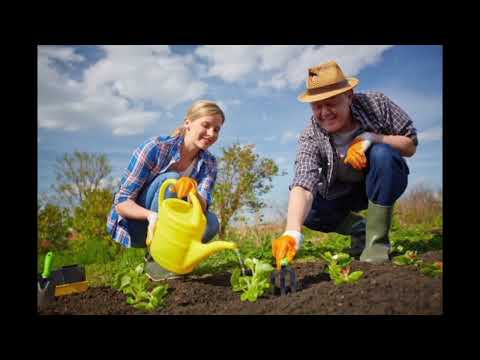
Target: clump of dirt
(383, 290)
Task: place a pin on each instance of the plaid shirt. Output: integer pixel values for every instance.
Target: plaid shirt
(316, 164)
(150, 159)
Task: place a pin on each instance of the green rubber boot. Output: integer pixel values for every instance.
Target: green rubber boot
(377, 244)
(353, 225)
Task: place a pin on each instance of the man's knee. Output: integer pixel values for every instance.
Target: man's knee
(381, 153)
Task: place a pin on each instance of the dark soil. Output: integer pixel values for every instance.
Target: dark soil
(383, 290)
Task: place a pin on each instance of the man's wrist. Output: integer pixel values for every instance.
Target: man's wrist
(298, 236)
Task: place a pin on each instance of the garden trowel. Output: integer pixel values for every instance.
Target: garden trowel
(45, 283)
(285, 272)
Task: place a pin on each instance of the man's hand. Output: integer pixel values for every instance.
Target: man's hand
(356, 152)
(152, 220)
(286, 246)
(184, 185)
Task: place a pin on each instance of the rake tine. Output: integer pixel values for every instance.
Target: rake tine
(293, 280)
(282, 280)
(272, 282)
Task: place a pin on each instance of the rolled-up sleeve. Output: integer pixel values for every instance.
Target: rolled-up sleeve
(138, 171)
(206, 183)
(307, 164)
(397, 119)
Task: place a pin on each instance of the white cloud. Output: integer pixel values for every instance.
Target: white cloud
(351, 58)
(425, 109)
(289, 136)
(282, 66)
(431, 134)
(114, 89)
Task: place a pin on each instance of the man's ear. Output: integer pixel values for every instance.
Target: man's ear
(350, 96)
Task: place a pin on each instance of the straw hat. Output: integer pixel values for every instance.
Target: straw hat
(326, 80)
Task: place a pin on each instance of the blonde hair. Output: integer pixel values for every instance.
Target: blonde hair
(199, 109)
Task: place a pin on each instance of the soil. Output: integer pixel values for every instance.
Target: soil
(383, 290)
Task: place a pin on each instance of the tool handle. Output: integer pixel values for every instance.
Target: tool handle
(47, 267)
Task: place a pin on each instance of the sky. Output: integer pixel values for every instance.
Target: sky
(110, 98)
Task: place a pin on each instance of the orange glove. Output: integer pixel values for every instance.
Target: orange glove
(184, 186)
(285, 246)
(356, 152)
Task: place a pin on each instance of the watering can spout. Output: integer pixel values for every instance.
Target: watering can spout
(199, 252)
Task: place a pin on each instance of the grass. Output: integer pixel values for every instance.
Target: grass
(417, 225)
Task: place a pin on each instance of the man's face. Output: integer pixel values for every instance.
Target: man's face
(333, 114)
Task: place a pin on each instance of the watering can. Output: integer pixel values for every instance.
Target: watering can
(176, 244)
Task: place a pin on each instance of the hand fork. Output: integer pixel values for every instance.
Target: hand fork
(282, 275)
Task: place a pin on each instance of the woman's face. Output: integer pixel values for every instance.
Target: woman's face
(333, 113)
(203, 132)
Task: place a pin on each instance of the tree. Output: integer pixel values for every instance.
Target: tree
(52, 227)
(78, 175)
(90, 224)
(243, 177)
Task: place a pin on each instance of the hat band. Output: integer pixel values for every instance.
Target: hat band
(340, 85)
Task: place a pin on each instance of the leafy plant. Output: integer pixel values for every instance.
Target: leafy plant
(409, 258)
(133, 283)
(339, 268)
(342, 275)
(432, 269)
(252, 286)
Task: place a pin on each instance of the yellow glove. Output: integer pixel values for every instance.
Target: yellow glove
(286, 246)
(184, 186)
(356, 152)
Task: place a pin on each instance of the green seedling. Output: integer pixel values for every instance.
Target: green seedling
(409, 258)
(252, 287)
(342, 275)
(433, 269)
(339, 268)
(133, 283)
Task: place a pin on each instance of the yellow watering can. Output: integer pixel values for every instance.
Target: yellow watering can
(176, 244)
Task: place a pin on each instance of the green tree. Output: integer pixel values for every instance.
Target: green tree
(79, 174)
(53, 224)
(243, 177)
(90, 223)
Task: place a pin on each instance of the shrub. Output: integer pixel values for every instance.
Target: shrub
(53, 223)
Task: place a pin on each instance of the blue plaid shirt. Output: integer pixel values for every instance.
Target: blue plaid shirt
(150, 159)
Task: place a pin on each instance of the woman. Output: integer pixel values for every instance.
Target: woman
(182, 156)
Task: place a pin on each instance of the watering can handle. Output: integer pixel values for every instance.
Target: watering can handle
(163, 188)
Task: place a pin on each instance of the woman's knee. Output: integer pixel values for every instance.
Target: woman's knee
(158, 181)
(213, 226)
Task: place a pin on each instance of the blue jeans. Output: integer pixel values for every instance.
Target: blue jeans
(385, 181)
(148, 198)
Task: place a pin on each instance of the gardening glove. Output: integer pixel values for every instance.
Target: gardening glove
(356, 152)
(152, 220)
(184, 186)
(286, 246)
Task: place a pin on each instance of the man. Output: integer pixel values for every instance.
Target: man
(349, 158)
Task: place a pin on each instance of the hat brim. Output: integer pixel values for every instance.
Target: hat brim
(308, 98)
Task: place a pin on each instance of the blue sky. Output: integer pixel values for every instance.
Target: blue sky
(109, 99)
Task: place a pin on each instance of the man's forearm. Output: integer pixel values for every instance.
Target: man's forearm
(299, 205)
(402, 143)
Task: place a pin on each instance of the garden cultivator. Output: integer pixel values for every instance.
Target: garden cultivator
(286, 272)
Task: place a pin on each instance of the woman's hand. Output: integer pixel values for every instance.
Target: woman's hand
(184, 186)
(152, 220)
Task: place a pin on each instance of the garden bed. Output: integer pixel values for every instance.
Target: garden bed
(383, 290)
